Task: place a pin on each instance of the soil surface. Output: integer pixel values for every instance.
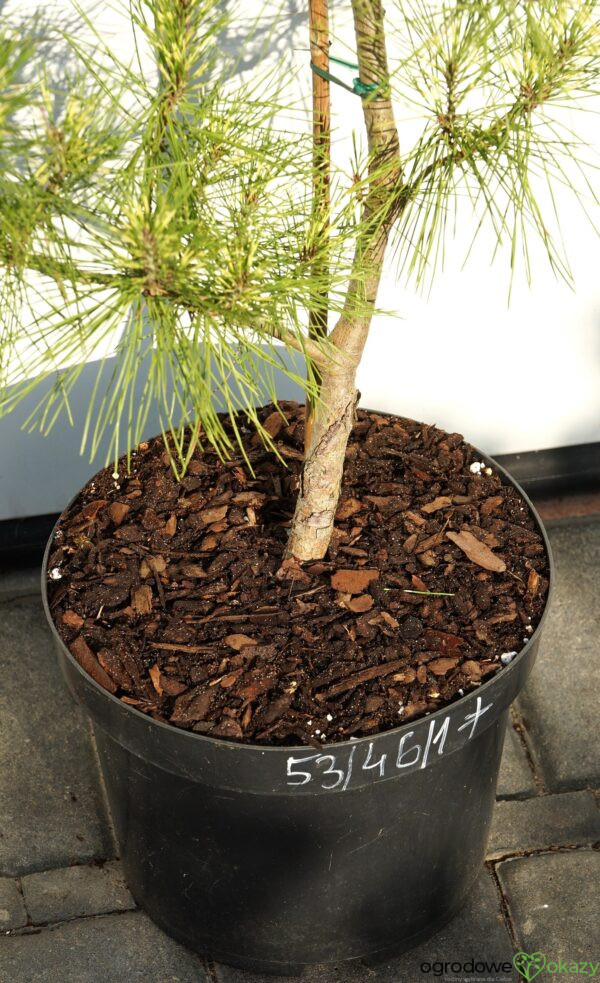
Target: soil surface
(173, 596)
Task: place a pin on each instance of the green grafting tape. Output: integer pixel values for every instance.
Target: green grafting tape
(364, 88)
(358, 88)
(329, 78)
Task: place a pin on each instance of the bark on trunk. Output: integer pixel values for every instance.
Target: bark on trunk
(321, 478)
(313, 520)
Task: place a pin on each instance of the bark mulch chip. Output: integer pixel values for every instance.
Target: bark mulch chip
(174, 597)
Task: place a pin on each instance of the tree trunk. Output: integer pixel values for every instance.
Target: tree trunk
(318, 496)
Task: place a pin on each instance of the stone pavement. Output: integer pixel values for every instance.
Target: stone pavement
(67, 917)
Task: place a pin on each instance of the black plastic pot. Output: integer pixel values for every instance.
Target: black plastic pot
(275, 859)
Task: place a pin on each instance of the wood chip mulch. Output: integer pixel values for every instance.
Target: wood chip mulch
(173, 596)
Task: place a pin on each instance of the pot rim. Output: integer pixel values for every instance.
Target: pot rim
(514, 667)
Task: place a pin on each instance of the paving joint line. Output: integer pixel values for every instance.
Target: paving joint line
(542, 851)
(522, 796)
(211, 972)
(551, 793)
(9, 598)
(19, 886)
(519, 726)
(99, 862)
(37, 927)
(595, 791)
(103, 790)
(504, 906)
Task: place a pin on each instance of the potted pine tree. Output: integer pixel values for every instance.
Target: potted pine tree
(297, 633)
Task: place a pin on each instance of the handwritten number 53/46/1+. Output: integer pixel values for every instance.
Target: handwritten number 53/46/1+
(335, 774)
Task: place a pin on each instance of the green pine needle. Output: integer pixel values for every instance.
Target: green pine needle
(166, 217)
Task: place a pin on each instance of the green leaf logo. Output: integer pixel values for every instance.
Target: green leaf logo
(529, 965)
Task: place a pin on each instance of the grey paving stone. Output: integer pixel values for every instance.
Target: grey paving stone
(107, 949)
(559, 702)
(515, 778)
(52, 813)
(477, 933)
(554, 904)
(570, 818)
(12, 909)
(19, 582)
(56, 895)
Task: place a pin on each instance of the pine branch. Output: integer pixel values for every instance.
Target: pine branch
(184, 230)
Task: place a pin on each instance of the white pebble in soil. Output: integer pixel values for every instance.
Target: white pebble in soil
(507, 657)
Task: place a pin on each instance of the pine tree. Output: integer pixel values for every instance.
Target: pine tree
(178, 216)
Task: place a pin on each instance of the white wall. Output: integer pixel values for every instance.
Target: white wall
(512, 378)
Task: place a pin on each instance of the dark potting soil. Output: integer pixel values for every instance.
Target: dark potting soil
(173, 595)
